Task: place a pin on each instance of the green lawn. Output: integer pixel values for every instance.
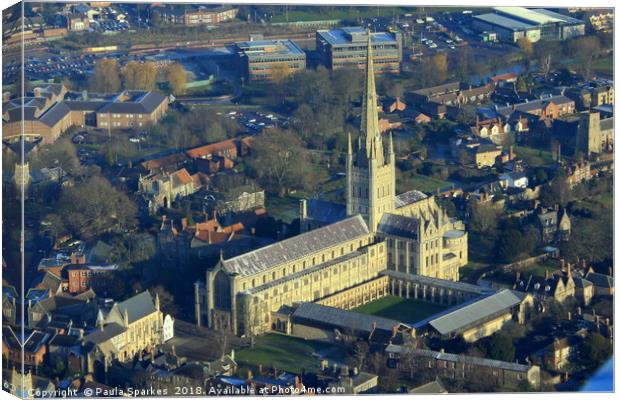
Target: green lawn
(540, 269)
(405, 310)
(284, 208)
(287, 353)
(409, 180)
(534, 157)
(604, 65)
(471, 267)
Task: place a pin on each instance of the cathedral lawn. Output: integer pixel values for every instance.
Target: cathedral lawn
(403, 310)
(287, 353)
(406, 181)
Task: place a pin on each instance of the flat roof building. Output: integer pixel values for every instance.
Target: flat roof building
(552, 25)
(263, 59)
(507, 29)
(347, 47)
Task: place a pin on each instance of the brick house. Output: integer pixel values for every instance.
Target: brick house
(83, 277)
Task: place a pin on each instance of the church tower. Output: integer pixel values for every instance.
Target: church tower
(370, 166)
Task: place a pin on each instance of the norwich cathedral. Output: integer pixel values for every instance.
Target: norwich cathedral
(379, 244)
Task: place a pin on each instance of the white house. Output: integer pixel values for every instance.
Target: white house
(514, 180)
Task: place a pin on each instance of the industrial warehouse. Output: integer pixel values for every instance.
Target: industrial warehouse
(513, 23)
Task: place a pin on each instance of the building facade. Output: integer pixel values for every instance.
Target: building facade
(269, 59)
(347, 48)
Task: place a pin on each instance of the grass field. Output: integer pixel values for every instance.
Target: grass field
(534, 157)
(410, 180)
(540, 269)
(404, 310)
(471, 267)
(287, 353)
(604, 65)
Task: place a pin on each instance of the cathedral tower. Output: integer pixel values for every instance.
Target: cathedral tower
(370, 166)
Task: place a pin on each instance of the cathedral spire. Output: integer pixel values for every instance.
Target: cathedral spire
(350, 148)
(370, 116)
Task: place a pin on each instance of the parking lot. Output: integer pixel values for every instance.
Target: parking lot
(256, 121)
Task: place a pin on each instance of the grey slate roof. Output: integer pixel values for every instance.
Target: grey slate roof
(409, 197)
(535, 104)
(581, 282)
(138, 306)
(54, 114)
(108, 332)
(141, 103)
(342, 318)
(600, 280)
(463, 318)
(80, 105)
(399, 225)
(326, 211)
(297, 247)
(457, 358)
(607, 124)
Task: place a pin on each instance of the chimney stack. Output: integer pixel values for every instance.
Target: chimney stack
(303, 209)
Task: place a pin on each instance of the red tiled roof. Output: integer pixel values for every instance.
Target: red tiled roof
(213, 237)
(504, 77)
(183, 176)
(234, 228)
(213, 148)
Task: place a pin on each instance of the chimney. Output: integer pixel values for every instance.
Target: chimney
(562, 264)
(568, 271)
(303, 209)
(441, 350)
(569, 316)
(173, 350)
(355, 371)
(583, 263)
(260, 369)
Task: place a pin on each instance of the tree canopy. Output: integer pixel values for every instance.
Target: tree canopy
(106, 77)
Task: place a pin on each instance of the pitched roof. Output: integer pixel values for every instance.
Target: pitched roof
(342, 318)
(213, 148)
(138, 306)
(54, 114)
(483, 362)
(465, 317)
(297, 247)
(109, 331)
(600, 280)
(409, 197)
(326, 211)
(139, 103)
(399, 225)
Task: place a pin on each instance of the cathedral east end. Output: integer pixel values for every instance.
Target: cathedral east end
(380, 232)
